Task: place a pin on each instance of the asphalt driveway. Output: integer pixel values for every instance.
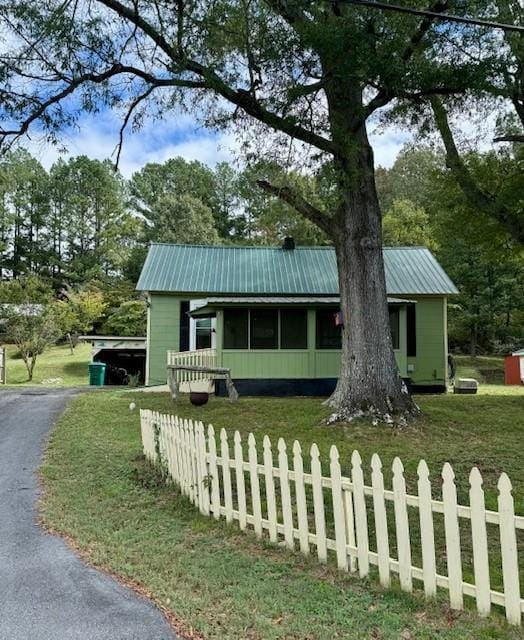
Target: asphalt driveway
(46, 592)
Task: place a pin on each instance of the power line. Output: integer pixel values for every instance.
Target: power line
(437, 16)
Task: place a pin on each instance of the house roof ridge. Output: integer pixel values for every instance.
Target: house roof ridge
(307, 247)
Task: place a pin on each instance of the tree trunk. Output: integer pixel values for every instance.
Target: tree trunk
(473, 341)
(369, 382)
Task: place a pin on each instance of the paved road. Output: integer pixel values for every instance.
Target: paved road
(46, 592)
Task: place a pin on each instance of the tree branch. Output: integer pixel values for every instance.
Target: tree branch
(136, 102)
(96, 78)
(487, 203)
(510, 138)
(385, 94)
(239, 97)
(300, 204)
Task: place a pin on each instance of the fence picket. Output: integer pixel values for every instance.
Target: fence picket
(480, 543)
(241, 484)
(195, 461)
(285, 493)
(361, 518)
(180, 453)
(451, 526)
(300, 495)
(255, 485)
(349, 515)
(427, 535)
(172, 446)
(318, 503)
(226, 475)
(508, 545)
(213, 472)
(270, 490)
(402, 526)
(338, 509)
(170, 449)
(183, 460)
(381, 521)
(205, 484)
(189, 457)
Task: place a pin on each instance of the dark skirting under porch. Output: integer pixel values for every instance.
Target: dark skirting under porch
(285, 387)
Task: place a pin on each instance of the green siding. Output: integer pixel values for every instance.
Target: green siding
(267, 363)
(430, 364)
(164, 334)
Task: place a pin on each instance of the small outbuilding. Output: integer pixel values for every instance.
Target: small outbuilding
(514, 368)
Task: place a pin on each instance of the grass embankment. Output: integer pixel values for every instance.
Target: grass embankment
(228, 585)
(55, 367)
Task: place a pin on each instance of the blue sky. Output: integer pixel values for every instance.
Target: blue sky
(96, 136)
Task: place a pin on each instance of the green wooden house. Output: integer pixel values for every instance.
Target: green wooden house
(270, 314)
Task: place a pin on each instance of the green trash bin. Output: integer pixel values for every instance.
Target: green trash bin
(97, 374)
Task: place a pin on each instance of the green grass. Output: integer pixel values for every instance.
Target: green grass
(56, 364)
(487, 370)
(227, 585)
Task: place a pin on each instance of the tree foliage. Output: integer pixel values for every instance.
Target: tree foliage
(129, 319)
(32, 328)
(475, 248)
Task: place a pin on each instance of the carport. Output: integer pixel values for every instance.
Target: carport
(125, 357)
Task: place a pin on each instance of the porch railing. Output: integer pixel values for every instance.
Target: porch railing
(198, 358)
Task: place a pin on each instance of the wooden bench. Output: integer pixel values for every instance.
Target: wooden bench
(216, 372)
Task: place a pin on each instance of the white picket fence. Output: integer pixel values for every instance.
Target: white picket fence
(216, 483)
(198, 358)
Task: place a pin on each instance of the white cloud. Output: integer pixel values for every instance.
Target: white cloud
(387, 144)
(96, 136)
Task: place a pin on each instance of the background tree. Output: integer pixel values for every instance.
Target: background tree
(405, 224)
(314, 73)
(478, 253)
(32, 328)
(129, 319)
(176, 177)
(79, 311)
(183, 219)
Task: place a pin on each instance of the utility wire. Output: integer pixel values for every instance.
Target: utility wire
(433, 14)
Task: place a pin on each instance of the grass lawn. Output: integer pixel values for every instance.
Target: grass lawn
(55, 367)
(224, 584)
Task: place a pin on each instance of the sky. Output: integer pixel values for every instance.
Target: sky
(96, 136)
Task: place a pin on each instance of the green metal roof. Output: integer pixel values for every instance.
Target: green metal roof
(175, 268)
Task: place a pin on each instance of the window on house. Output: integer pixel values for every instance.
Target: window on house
(293, 329)
(394, 323)
(203, 333)
(264, 328)
(236, 329)
(329, 335)
(411, 329)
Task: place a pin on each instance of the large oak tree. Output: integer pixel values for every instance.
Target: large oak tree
(298, 75)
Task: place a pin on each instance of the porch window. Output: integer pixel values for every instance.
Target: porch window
(394, 323)
(329, 335)
(293, 329)
(264, 328)
(236, 322)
